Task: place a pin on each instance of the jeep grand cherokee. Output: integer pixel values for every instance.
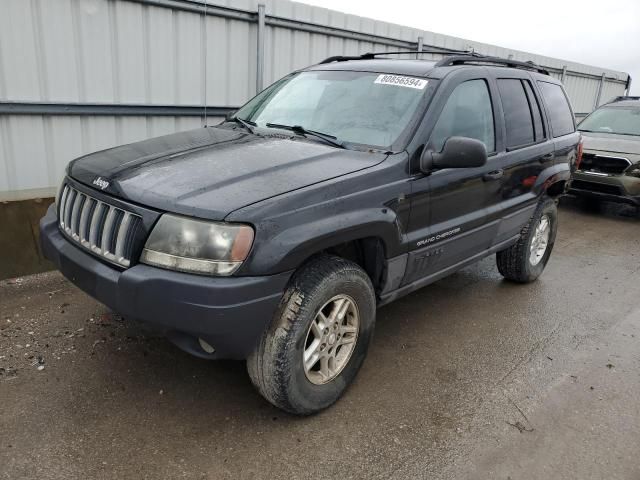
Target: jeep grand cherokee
(274, 236)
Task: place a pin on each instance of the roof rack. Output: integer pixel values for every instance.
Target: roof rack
(453, 57)
(622, 98)
(372, 55)
(476, 58)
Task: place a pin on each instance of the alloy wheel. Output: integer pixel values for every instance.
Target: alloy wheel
(331, 339)
(540, 240)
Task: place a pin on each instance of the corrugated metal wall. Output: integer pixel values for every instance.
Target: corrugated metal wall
(81, 75)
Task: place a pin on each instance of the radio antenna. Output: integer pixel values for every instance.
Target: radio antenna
(206, 4)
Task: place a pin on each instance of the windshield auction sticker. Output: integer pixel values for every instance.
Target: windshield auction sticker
(400, 81)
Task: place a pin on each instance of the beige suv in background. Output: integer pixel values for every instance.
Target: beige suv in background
(610, 167)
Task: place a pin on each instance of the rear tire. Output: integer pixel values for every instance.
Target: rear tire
(305, 328)
(525, 261)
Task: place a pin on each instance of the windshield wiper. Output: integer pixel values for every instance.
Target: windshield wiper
(611, 133)
(300, 130)
(245, 123)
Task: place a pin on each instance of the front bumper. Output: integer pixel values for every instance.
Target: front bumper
(229, 313)
(616, 188)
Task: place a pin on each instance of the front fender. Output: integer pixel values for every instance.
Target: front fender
(291, 245)
(308, 239)
(290, 228)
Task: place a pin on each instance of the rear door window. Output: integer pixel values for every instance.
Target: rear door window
(557, 106)
(467, 113)
(518, 118)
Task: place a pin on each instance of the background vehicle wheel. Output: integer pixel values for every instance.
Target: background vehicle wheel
(525, 260)
(318, 337)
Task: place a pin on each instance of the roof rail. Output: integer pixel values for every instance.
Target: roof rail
(476, 58)
(372, 55)
(453, 57)
(622, 98)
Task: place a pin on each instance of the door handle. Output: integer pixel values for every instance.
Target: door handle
(546, 158)
(495, 175)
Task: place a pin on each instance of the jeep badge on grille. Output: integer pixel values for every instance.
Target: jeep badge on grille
(100, 182)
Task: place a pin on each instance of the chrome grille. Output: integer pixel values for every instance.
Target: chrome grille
(601, 164)
(103, 229)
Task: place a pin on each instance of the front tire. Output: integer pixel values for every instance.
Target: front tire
(525, 261)
(318, 337)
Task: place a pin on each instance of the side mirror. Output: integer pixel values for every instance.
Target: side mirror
(229, 115)
(458, 152)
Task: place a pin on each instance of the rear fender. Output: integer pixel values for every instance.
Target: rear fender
(551, 179)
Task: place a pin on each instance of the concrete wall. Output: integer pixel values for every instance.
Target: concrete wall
(19, 246)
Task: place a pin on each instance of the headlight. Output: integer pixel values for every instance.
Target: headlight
(634, 171)
(196, 246)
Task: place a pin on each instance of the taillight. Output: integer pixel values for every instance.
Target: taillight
(579, 155)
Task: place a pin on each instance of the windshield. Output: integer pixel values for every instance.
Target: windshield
(355, 107)
(622, 121)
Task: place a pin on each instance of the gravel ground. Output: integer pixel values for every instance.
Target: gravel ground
(472, 377)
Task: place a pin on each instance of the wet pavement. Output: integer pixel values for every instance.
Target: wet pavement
(471, 377)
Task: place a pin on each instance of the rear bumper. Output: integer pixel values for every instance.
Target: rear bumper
(230, 313)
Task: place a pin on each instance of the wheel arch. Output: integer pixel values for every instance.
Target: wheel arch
(367, 252)
(553, 181)
(367, 237)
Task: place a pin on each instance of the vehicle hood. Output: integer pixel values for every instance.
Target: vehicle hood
(210, 172)
(608, 142)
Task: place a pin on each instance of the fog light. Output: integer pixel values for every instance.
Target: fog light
(205, 346)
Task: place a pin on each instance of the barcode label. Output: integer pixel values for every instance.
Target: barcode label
(400, 81)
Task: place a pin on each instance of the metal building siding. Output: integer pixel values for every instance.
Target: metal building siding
(116, 51)
(119, 51)
(609, 91)
(143, 53)
(582, 92)
(20, 69)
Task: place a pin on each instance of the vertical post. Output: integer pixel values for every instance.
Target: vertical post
(564, 73)
(260, 49)
(628, 89)
(204, 54)
(600, 87)
(420, 44)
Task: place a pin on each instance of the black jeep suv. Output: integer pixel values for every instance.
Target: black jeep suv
(273, 236)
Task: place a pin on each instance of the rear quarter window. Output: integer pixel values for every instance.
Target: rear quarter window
(536, 113)
(558, 109)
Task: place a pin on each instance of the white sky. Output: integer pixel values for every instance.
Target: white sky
(603, 33)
